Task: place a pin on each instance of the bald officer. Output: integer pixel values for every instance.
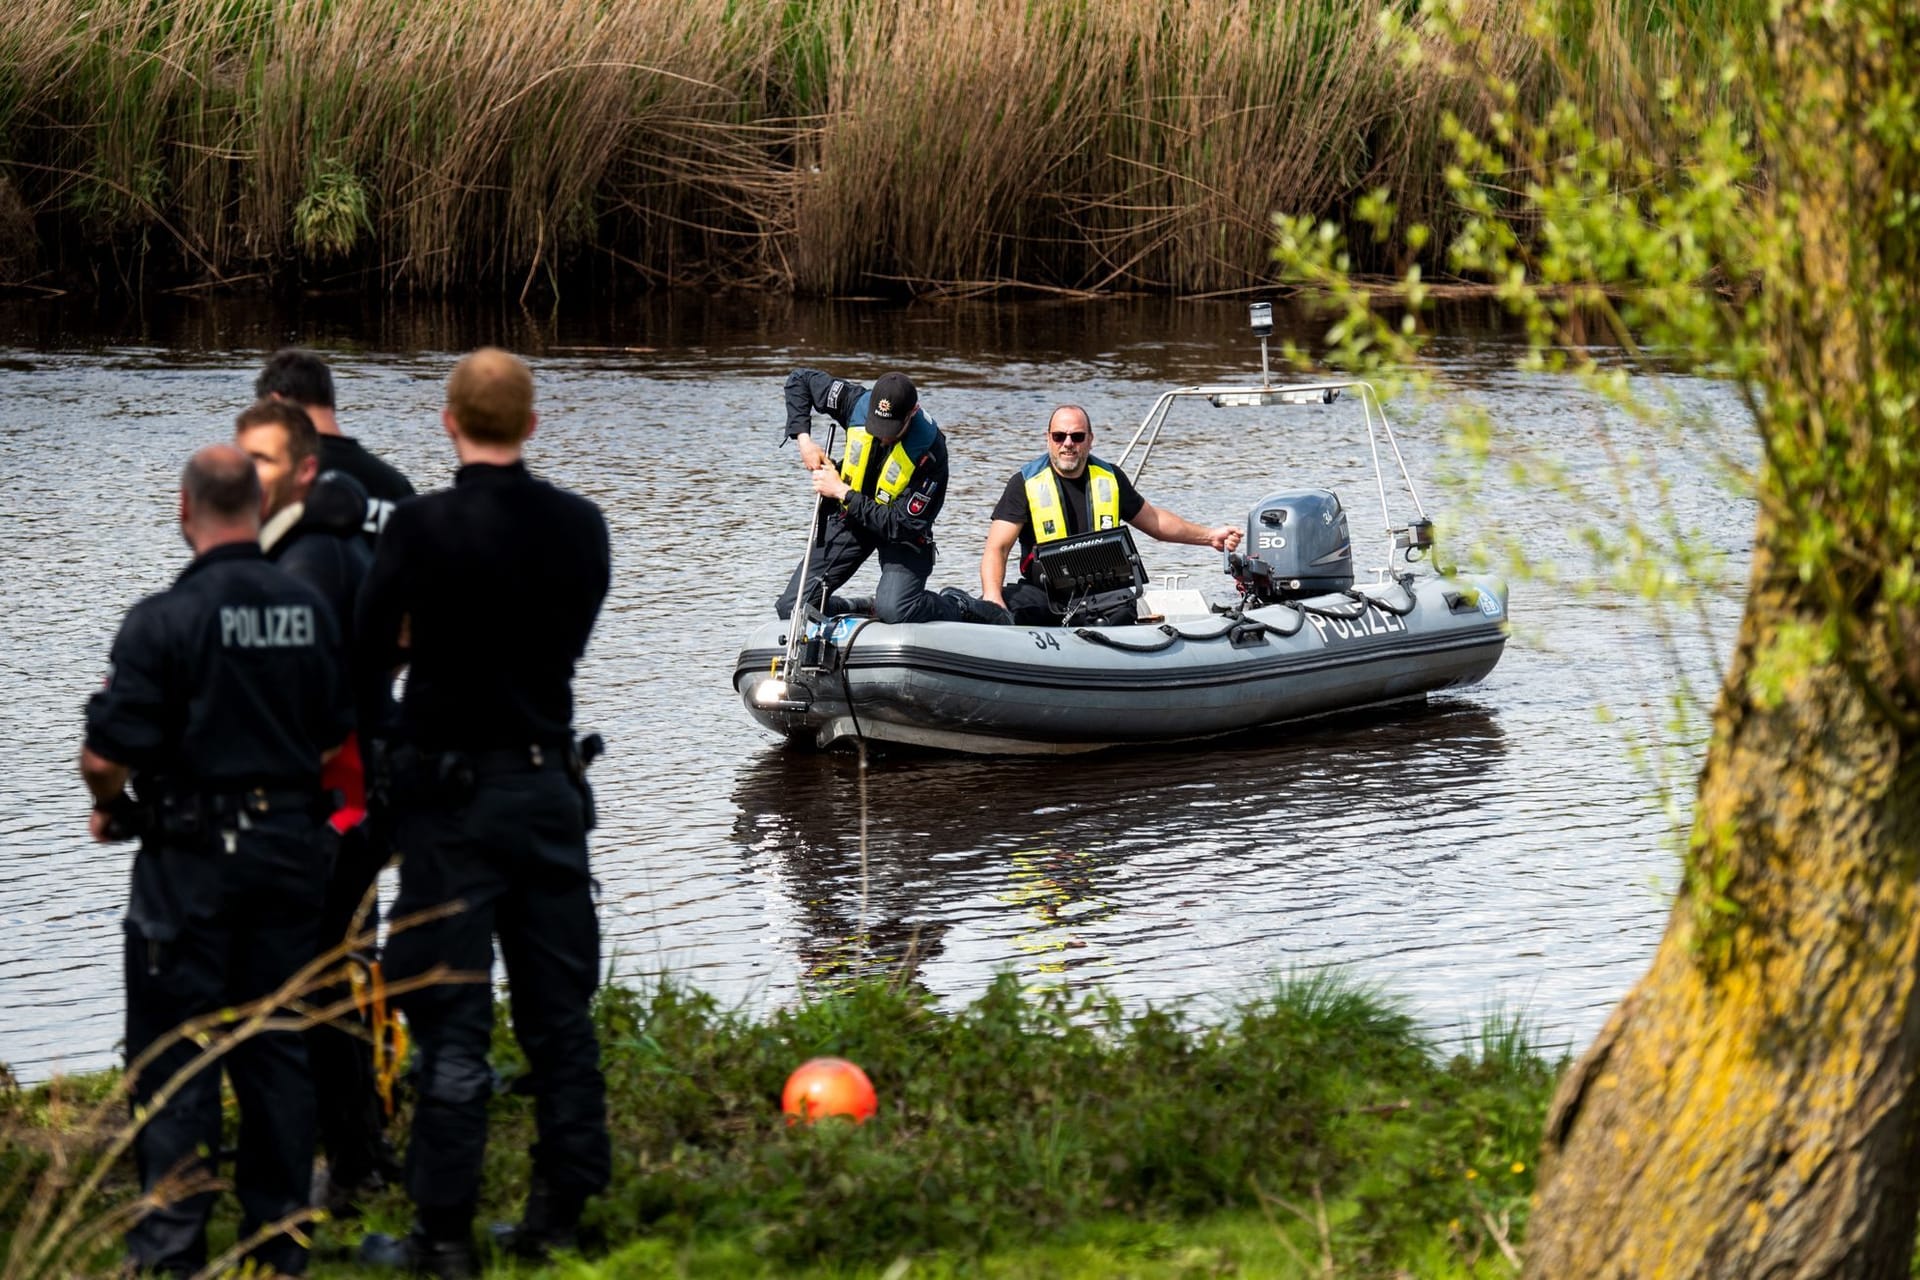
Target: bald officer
(225, 694)
(1067, 491)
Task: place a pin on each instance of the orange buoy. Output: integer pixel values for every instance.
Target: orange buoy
(828, 1087)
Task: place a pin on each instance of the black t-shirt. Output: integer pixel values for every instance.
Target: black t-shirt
(386, 487)
(1012, 506)
(499, 579)
(230, 678)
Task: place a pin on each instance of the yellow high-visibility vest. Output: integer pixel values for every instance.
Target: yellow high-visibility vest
(1046, 510)
(894, 476)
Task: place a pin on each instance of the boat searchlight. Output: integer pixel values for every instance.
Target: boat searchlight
(1248, 399)
(770, 692)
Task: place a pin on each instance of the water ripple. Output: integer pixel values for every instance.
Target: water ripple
(1500, 848)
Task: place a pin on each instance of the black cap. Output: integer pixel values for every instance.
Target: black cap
(890, 405)
(337, 502)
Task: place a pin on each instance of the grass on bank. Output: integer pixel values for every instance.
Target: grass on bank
(825, 146)
(1022, 1131)
(1235, 1243)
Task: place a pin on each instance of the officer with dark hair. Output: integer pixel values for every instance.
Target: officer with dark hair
(299, 377)
(313, 531)
(882, 498)
(488, 591)
(312, 517)
(225, 695)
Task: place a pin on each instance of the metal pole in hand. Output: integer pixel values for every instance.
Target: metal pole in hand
(799, 619)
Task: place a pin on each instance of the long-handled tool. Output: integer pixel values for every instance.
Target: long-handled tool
(799, 619)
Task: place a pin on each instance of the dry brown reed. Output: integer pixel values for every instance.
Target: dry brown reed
(68, 1212)
(825, 145)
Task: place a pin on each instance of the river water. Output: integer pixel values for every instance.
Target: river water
(1504, 848)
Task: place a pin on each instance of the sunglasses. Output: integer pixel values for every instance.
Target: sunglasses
(1061, 437)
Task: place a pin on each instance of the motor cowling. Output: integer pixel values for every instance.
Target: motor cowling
(1297, 545)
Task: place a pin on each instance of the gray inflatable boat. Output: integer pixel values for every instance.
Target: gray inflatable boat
(963, 687)
(1303, 640)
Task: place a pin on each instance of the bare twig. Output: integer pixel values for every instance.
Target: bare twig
(47, 1237)
(1499, 1233)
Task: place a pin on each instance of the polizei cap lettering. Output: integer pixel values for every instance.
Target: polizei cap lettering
(279, 626)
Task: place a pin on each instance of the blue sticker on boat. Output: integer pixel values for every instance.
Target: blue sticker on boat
(1490, 604)
(835, 629)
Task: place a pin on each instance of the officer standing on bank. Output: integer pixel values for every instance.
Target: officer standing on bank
(299, 377)
(313, 530)
(488, 592)
(226, 692)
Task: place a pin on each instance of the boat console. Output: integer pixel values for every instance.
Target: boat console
(1089, 573)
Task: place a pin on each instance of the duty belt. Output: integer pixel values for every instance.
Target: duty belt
(535, 755)
(456, 772)
(195, 813)
(250, 800)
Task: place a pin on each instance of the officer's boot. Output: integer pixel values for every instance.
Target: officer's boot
(419, 1253)
(551, 1224)
(973, 608)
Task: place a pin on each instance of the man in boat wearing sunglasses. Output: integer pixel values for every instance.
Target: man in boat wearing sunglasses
(882, 498)
(1066, 491)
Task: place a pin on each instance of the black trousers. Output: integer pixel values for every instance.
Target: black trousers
(352, 1120)
(209, 930)
(902, 595)
(515, 852)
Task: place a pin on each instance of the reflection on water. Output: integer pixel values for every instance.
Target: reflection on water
(883, 857)
(1500, 847)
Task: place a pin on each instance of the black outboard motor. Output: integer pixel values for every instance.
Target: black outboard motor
(1297, 545)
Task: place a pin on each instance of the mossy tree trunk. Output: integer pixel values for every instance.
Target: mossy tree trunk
(1752, 1107)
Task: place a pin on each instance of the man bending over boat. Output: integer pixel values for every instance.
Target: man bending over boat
(882, 498)
(1067, 491)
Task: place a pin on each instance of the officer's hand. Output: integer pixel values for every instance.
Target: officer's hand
(812, 456)
(828, 484)
(1223, 538)
(97, 826)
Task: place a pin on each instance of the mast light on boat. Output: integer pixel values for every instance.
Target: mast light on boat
(1248, 399)
(1260, 316)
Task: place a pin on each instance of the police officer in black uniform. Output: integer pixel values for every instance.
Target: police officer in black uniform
(882, 498)
(225, 694)
(302, 378)
(488, 591)
(312, 520)
(313, 530)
